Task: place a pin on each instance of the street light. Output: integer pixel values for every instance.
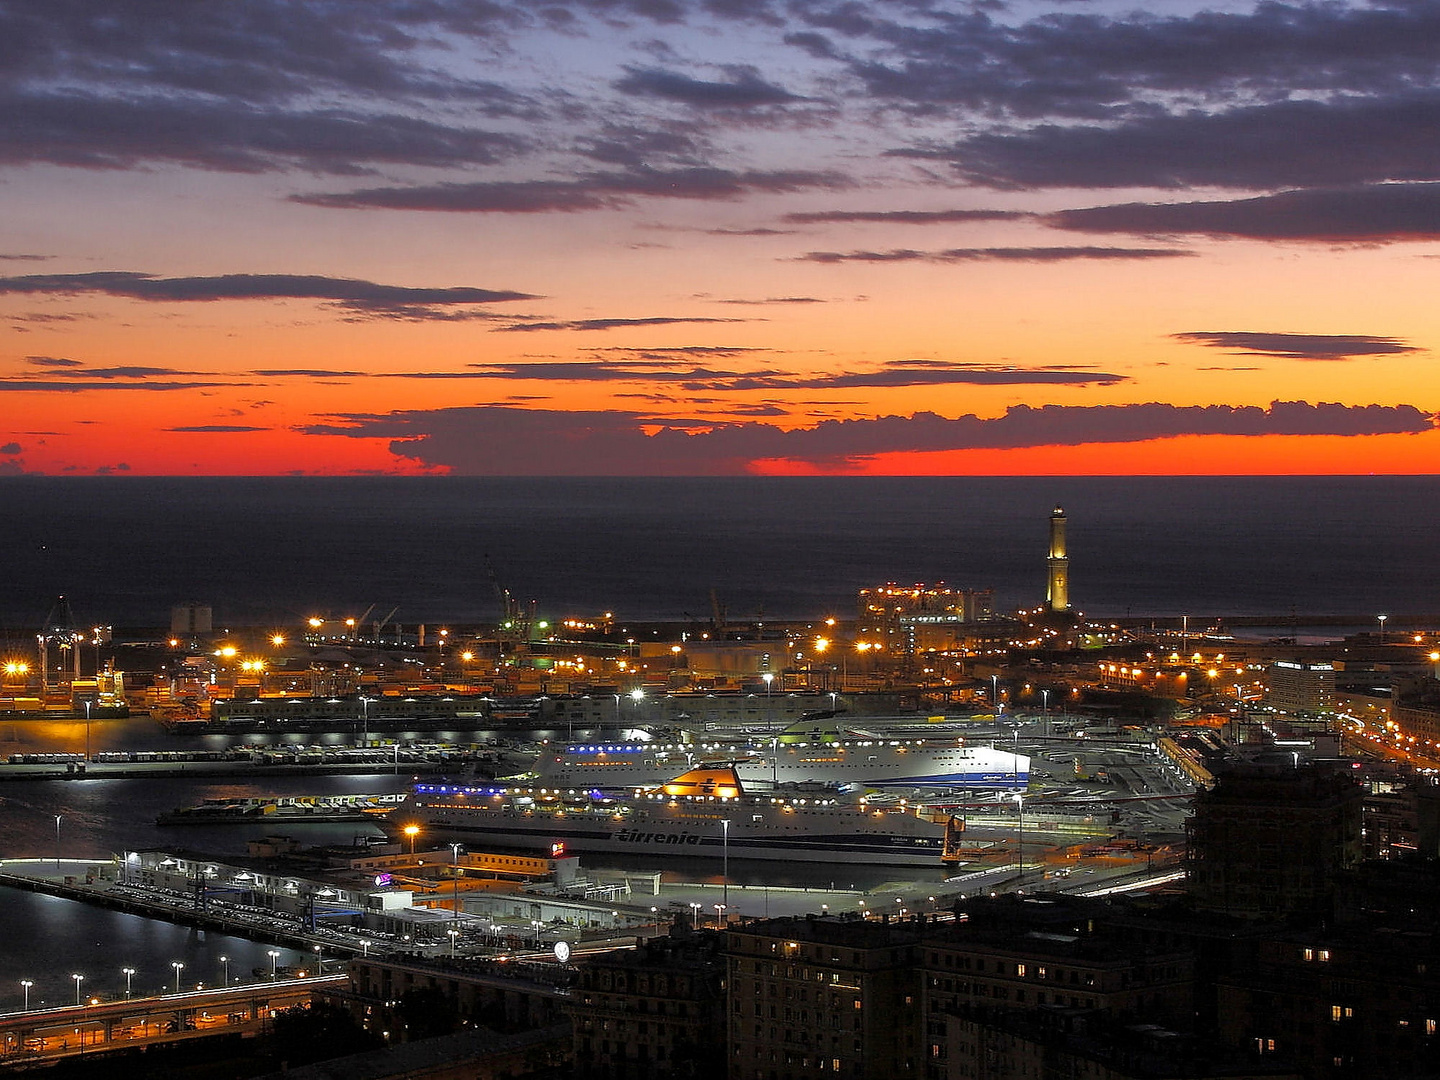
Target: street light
(78, 980)
(695, 914)
(1381, 619)
(411, 831)
(87, 703)
(319, 961)
(719, 916)
(225, 961)
(129, 974)
(27, 983)
(725, 860)
(1020, 841)
(365, 719)
(274, 955)
(455, 892)
(179, 967)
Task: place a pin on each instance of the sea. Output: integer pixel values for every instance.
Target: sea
(275, 551)
(272, 552)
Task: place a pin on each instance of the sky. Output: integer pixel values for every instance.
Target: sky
(659, 237)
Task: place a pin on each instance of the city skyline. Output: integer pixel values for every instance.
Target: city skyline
(735, 236)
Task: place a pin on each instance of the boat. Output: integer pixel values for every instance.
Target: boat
(315, 809)
(803, 753)
(703, 812)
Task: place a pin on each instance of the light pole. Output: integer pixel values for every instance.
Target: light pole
(411, 831)
(769, 678)
(274, 955)
(637, 695)
(364, 720)
(1020, 842)
(319, 961)
(719, 916)
(725, 860)
(78, 980)
(995, 694)
(1381, 619)
(129, 974)
(454, 894)
(179, 967)
(225, 963)
(57, 842)
(695, 914)
(27, 983)
(1045, 706)
(87, 704)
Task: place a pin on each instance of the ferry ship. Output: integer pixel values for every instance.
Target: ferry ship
(797, 756)
(703, 813)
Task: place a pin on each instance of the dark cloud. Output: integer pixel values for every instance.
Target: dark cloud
(1298, 346)
(588, 191)
(743, 90)
(87, 131)
(53, 362)
(504, 441)
(360, 298)
(1325, 143)
(247, 88)
(657, 368)
(1099, 66)
(22, 258)
(222, 429)
(10, 448)
(775, 300)
(902, 217)
(749, 232)
(612, 324)
(1015, 254)
(77, 385)
(633, 147)
(1373, 213)
(308, 373)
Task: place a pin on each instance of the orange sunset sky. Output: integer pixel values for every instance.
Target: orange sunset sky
(769, 236)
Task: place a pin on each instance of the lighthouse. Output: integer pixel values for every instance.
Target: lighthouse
(1057, 590)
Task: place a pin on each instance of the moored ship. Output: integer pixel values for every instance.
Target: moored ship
(795, 757)
(704, 812)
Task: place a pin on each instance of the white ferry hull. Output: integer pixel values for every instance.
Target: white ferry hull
(840, 835)
(879, 764)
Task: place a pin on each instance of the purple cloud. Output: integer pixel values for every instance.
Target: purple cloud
(488, 440)
(1298, 346)
(1015, 254)
(1372, 213)
(587, 191)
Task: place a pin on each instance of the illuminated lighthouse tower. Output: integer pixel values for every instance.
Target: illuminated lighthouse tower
(1057, 592)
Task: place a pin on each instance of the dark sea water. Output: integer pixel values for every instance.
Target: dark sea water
(276, 550)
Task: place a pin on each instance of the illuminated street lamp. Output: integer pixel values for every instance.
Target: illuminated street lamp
(129, 974)
(78, 980)
(274, 955)
(27, 983)
(179, 967)
(1381, 620)
(365, 719)
(411, 831)
(225, 961)
(725, 860)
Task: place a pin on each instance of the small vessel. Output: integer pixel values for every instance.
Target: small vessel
(288, 808)
(704, 812)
